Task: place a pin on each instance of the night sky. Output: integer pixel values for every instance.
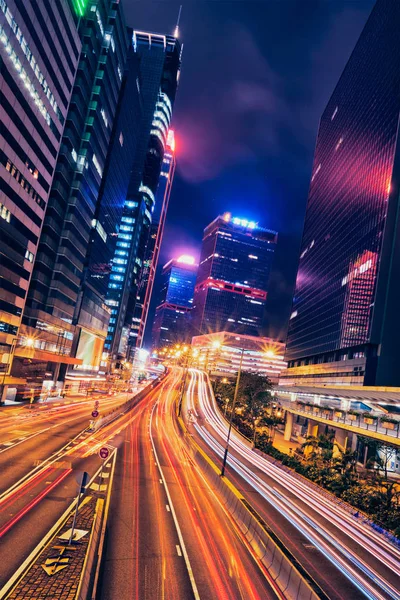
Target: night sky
(255, 78)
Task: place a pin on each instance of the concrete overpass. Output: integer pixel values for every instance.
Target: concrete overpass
(368, 412)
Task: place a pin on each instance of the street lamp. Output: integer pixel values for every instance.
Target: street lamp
(232, 411)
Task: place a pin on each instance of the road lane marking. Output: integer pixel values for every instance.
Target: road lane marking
(168, 508)
(178, 529)
(161, 481)
(178, 550)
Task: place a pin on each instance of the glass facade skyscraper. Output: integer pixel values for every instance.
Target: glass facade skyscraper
(40, 48)
(65, 312)
(344, 316)
(176, 301)
(232, 280)
(153, 246)
(159, 60)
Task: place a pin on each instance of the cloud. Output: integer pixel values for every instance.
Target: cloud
(235, 116)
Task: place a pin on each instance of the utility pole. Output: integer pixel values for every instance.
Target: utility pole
(231, 417)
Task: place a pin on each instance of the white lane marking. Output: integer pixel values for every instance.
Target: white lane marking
(178, 529)
(168, 508)
(178, 550)
(161, 480)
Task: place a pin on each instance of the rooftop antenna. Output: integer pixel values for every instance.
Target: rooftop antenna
(176, 32)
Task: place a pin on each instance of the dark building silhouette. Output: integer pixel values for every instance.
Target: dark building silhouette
(232, 280)
(345, 319)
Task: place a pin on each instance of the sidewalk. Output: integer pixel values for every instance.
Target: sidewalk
(286, 446)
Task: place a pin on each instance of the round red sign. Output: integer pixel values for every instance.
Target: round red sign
(104, 452)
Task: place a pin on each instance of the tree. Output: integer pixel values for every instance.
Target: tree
(346, 462)
(321, 445)
(379, 454)
(254, 396)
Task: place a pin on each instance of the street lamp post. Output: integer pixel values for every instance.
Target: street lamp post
(231, 416)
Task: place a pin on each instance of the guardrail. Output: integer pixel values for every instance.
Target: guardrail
(292, 579)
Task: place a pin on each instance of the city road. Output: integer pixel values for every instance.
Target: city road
(345, 556)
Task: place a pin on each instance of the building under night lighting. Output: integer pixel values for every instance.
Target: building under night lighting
(343, 327)
(159, 60)
(65, 312)
(220, 354)
(40, 48)
(232, 280)
(145, 288)
(171, 320)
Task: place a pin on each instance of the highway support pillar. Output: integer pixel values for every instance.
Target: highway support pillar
(288, 426)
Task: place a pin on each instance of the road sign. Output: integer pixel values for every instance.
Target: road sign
(104, 452)
(95, 413)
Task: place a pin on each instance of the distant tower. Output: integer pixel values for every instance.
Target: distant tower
(171, 323)
(232, 281)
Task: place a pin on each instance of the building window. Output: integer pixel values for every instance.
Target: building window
(31, 59)
(97, 165)
(103, 114)
(5, 213)
(29, 256)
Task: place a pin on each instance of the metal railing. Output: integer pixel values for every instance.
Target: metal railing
(371, 423)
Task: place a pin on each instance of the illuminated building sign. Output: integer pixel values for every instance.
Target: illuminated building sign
(238, 221)
(186, 259)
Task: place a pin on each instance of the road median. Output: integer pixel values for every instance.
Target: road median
(63, 570)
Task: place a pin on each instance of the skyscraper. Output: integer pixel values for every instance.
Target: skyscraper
(159, 59)
(344, 321)
(232, 280)
(40, 48)
(65, 313)
(176, 301)
(156, 232)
